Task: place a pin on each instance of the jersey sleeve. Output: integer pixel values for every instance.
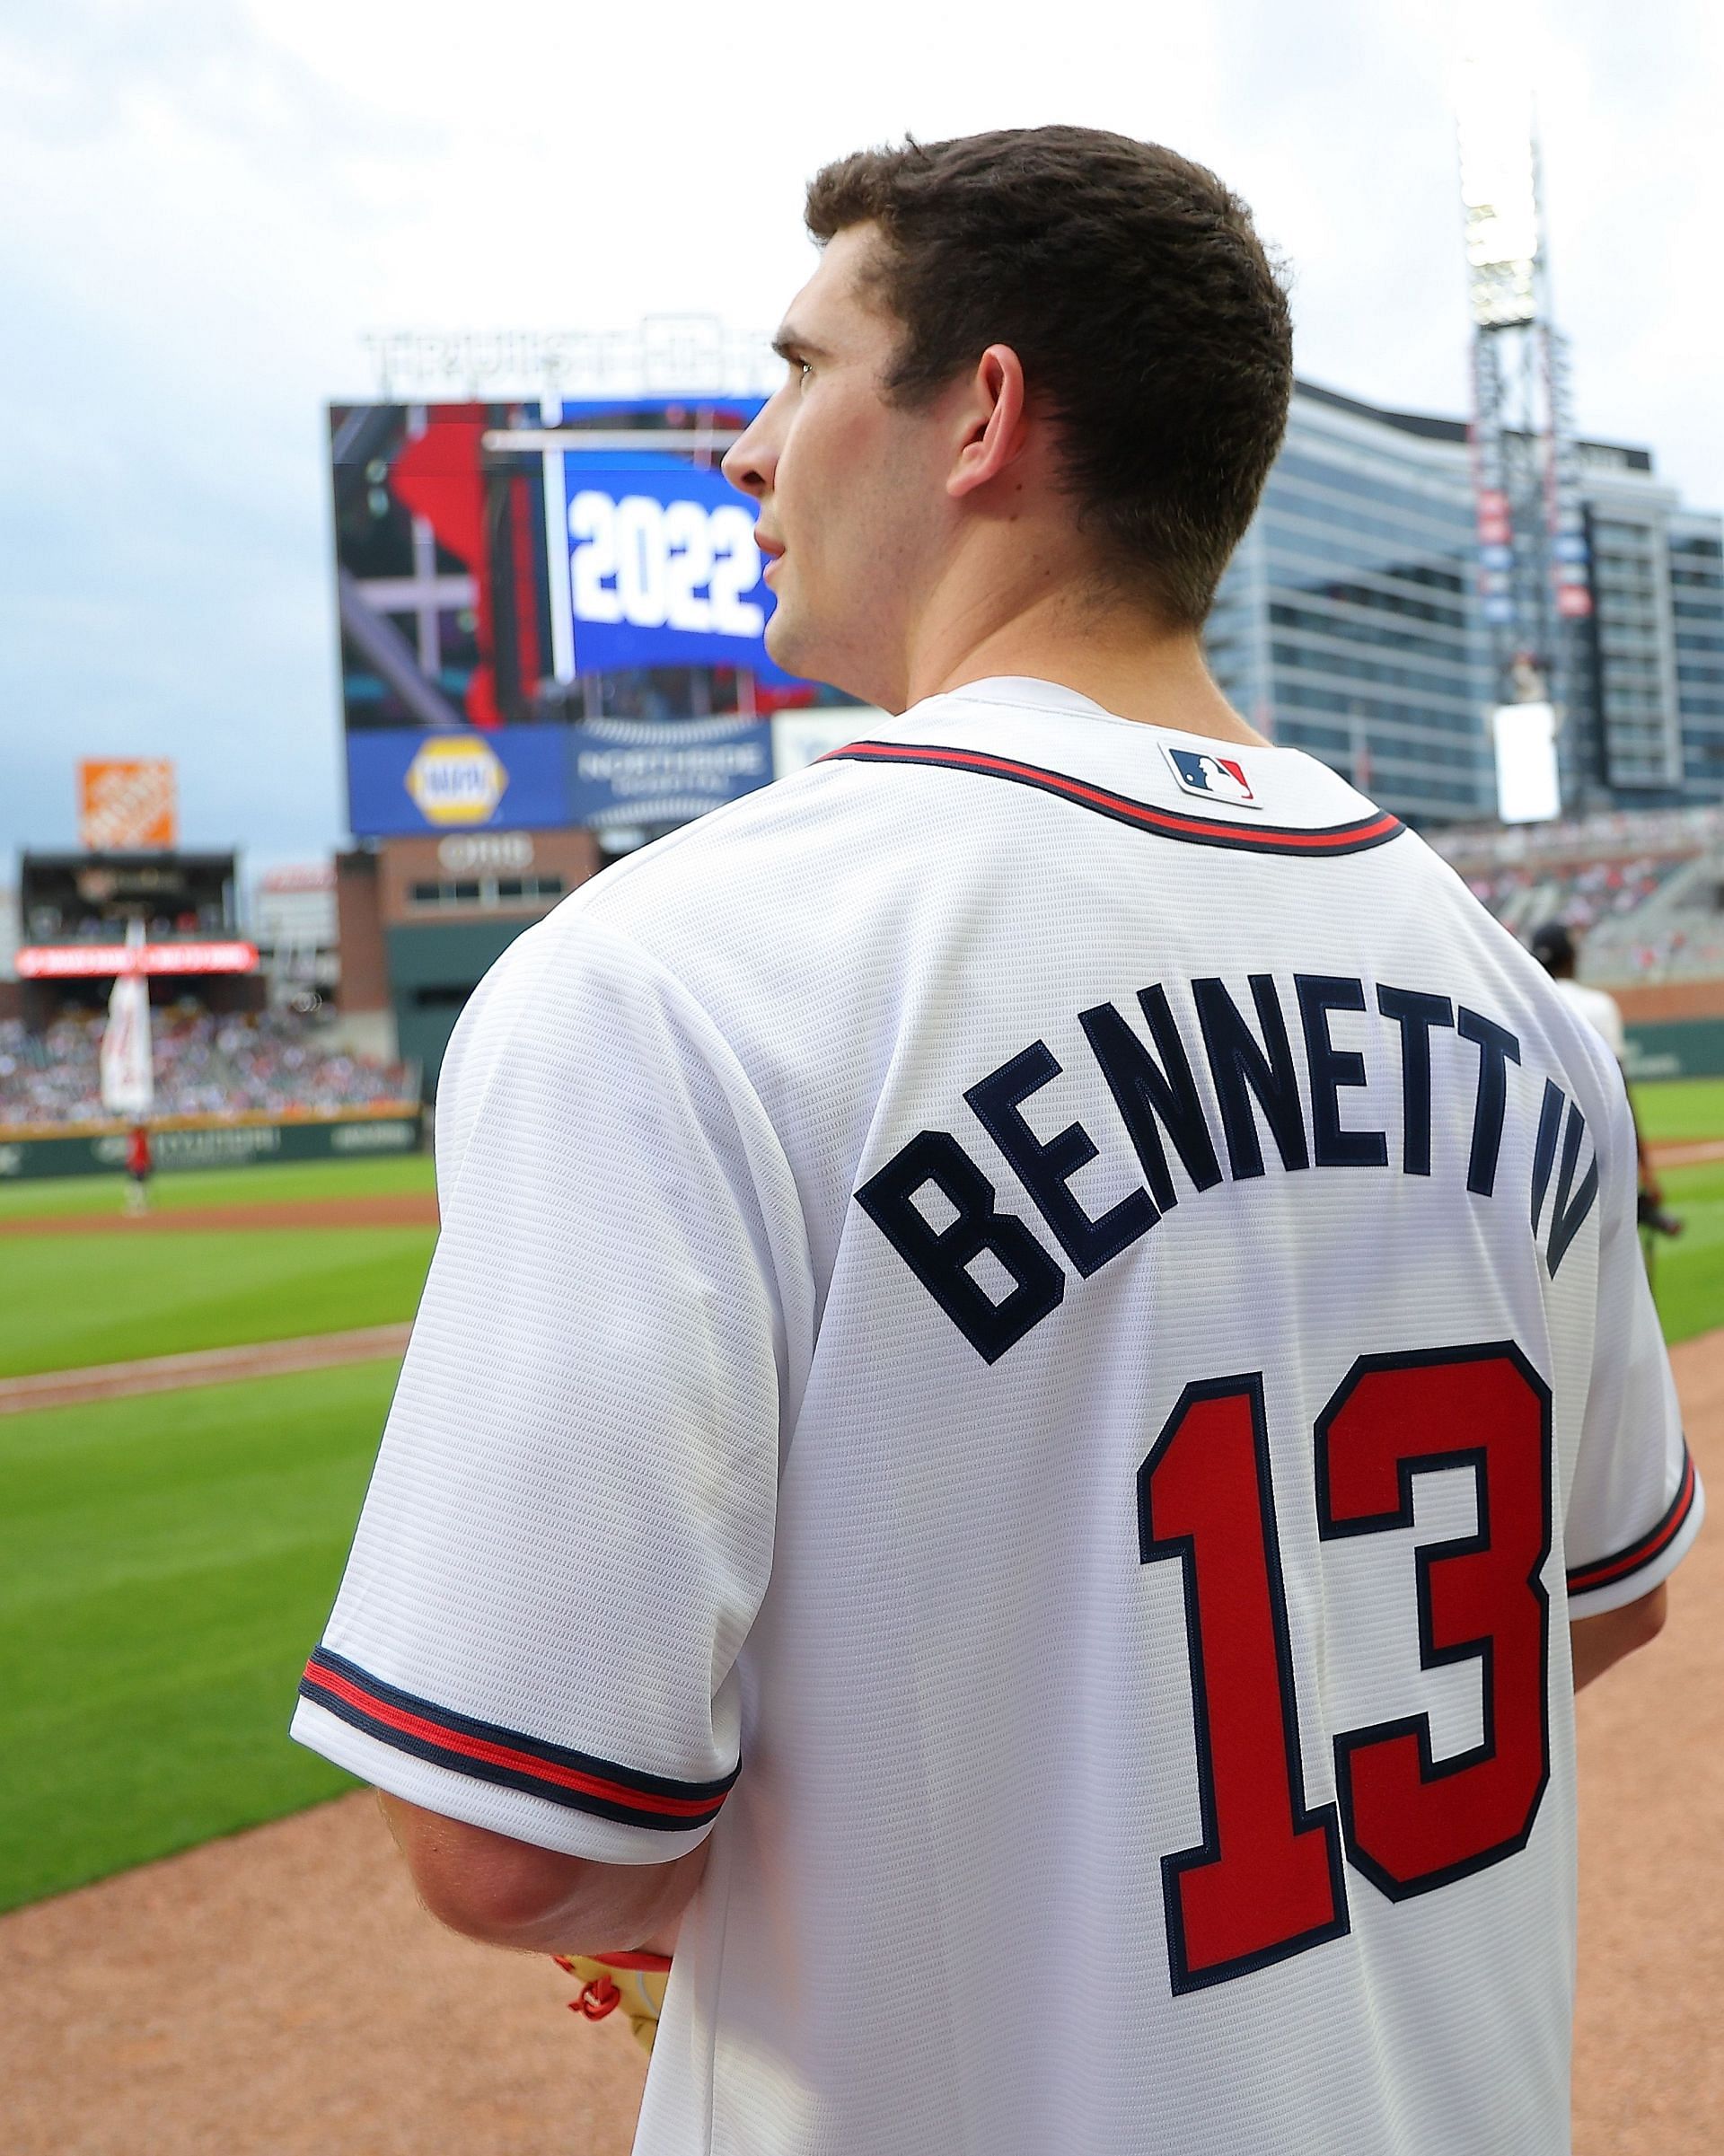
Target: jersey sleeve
(569, 1527)
(1636, 1502)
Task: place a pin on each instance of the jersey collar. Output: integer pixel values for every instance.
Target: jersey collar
(1157, 779)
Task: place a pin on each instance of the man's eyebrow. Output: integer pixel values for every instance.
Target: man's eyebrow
(791, 344)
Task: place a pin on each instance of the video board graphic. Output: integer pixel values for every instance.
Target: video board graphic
(512, 576)
(437, 631)
(652, 564)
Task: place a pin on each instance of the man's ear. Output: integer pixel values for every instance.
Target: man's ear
(996, 422)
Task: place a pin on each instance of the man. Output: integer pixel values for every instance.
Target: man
(1553, 946)
(139, 1166)
(1022, 1339)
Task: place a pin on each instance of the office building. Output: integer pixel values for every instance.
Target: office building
(1348, 623)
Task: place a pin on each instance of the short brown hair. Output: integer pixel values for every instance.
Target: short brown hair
(1133, 288)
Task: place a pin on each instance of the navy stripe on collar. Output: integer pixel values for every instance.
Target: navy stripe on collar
(1376, 830)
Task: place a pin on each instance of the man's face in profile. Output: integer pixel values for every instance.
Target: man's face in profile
(851, 487)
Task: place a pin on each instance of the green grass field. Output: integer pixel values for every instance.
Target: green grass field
(273, 1185)
(76, 1299)
(1680, 1108)
(1688, 1273)
(167, 1564)
(86, 1298)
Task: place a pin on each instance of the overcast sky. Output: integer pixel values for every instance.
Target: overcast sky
(210, 201)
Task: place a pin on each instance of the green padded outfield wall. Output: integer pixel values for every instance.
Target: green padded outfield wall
(433, 970)
(1677, 1048)
(215, 1145)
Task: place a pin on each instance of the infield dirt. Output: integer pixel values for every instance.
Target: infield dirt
(280, 1994)
(201, 1366)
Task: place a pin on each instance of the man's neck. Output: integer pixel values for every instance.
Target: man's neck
(1128, 666)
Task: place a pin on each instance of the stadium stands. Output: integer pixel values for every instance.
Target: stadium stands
(269, 1063)
(1645, 891)
(1579, 894)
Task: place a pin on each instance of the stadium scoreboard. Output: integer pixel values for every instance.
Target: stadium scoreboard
(553, 615)
(73, 898)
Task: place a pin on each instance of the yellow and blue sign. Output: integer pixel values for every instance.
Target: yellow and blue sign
(605, 772)
(405, 780)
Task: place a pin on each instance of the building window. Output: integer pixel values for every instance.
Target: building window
(486, 892)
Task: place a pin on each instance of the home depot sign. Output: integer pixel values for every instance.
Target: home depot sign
(125, 803)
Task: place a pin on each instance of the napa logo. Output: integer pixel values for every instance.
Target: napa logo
(456, 779)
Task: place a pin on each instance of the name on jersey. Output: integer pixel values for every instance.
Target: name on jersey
(940, 1210)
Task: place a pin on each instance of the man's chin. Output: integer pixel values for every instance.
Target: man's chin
(790, 645)
(788, 650)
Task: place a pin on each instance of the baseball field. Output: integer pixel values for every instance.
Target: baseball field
(167, 1557)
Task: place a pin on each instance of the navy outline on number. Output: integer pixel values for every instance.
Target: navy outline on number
(1153, 1550)
(1431, 1770)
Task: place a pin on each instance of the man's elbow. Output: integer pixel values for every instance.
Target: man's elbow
(1646, 1618)
(485, 1885)
(1598, 1644)
(498, 1906)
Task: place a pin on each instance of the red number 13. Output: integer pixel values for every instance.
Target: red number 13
(1266, 1880)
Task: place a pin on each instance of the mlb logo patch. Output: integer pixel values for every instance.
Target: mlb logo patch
(1211, 777)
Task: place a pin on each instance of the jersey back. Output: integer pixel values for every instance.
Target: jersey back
(1209, 1363)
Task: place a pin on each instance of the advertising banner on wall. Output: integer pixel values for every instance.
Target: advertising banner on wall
(635, 771)
(125, 803)
(405, 782)
(210, 1142)
(609, 771)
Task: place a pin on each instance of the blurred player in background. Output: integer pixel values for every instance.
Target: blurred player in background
(1555, 948)
(139, 1166)
(1037, 1386)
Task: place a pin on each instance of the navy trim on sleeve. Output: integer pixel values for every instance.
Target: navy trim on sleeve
(505, 1756)
(1605, 1571)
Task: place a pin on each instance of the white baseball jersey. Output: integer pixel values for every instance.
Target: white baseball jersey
(1039, 1329)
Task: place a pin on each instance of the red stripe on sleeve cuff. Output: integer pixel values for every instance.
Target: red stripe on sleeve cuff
(1605, 1571)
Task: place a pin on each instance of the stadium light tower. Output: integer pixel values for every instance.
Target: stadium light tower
(1534, 591)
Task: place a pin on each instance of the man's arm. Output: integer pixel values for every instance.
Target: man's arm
(515, 1894)
(570, 1528)
(1595, 1643)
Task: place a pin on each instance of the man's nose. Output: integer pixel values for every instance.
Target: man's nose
(749, 461)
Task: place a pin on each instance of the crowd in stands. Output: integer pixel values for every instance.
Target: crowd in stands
(1618, 835)
(1602, 877)
(269, 1062)
(1579, 894)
